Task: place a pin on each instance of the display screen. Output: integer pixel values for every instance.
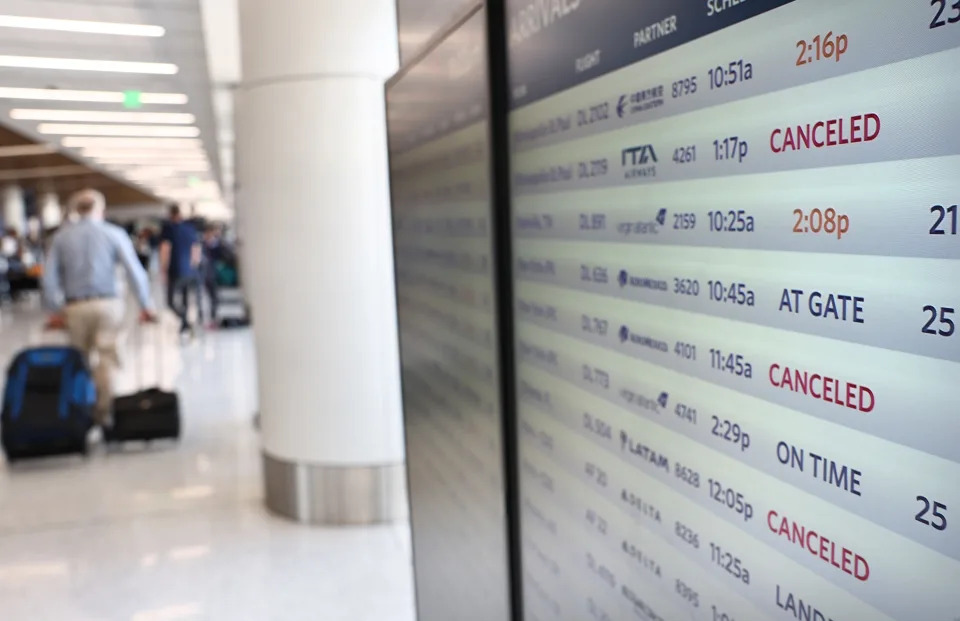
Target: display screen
(442, 208)
(737, 296)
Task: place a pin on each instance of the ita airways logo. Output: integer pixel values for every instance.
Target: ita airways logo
(639, 161)
(622, 105)
(662, 217)
(624, 334)
(624, 280)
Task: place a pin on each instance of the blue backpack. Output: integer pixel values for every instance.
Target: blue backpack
(48, 403)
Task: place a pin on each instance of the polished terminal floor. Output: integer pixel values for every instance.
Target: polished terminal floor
(180, 531)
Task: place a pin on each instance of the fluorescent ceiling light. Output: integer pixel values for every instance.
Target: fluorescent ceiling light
(89, 142)
(151, 131)
(177, 169)
(71, 25)
(132, 152)
(145, 157)
(101, 116)
(54, 94)
(26, 149)
(153, 169)
(182, 167)
(78, 64)
(146, 175)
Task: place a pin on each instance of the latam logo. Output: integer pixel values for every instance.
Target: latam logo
(639, 161)
(828, 133)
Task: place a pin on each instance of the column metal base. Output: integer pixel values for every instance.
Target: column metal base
(334, 495)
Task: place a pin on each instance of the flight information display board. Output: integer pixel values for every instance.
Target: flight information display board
(440, 176)
(737, 296)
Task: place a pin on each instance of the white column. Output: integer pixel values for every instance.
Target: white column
(318, 265)
(14, 209)
(51, 215)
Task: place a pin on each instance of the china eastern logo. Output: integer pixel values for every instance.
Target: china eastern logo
(640, 101)
(639, 161)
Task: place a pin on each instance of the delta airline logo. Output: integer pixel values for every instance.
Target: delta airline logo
(826, 133)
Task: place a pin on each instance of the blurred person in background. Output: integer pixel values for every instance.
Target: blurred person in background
(10, 244)
(213, 254)
(144, 245)
(80, 286)
(180, 255)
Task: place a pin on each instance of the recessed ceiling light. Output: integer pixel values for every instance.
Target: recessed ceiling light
(89, 142)
(101, 116)
(71, 25)
(151, 131)
(79, 64)
(54, 94)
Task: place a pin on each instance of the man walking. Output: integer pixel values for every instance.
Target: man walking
(180, 254)
(80, 285)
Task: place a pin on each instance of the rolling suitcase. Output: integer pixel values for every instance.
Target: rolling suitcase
(149, 414)
(48, 403)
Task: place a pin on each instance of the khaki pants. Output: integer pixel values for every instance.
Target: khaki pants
(95, 327)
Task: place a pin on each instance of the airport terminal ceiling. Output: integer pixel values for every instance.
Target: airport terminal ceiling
(40, 168)
(128, 63)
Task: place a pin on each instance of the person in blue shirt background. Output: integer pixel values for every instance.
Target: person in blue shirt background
(180, 255)
(213, 253)
(80, 287)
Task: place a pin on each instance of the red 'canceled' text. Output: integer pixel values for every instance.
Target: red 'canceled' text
(816, 544)
(823, 387)
(829, 133)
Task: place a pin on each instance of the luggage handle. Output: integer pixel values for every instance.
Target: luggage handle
(158, 353)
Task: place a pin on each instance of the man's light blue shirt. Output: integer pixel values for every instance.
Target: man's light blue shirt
(82, 261)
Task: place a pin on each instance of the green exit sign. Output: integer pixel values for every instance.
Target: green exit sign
(132, 99)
